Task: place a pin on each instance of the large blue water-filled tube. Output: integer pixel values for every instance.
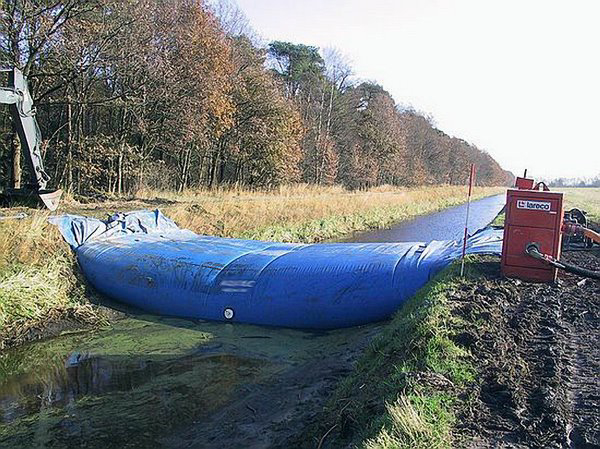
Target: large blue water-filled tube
(143, 259)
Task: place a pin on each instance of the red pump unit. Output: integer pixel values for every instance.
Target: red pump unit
(532, 216)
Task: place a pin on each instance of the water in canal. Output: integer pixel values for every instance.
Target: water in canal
(447, 224)
(148, 381)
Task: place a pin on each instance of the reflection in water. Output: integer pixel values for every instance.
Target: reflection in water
(147, 377)
(84, 374)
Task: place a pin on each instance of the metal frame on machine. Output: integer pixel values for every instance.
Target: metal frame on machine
(22, 109)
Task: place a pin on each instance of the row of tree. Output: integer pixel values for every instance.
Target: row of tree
(574, 182)
(174, 94)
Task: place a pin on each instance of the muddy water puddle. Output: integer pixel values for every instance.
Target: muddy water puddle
(145, 379)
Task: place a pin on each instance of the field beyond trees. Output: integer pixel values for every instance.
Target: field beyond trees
(587, 199)
(173, 95)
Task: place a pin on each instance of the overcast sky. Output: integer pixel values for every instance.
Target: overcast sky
(518, 78)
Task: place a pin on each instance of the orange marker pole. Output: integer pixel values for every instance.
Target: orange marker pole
(464, 250)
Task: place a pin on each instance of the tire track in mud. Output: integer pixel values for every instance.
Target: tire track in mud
(584, 384)
(537, 348)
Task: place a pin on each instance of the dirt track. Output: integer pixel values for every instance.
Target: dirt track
(537, 348)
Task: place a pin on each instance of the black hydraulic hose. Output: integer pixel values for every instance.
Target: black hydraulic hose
(533, 250)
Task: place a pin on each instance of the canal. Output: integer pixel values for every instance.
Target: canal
(149, 381)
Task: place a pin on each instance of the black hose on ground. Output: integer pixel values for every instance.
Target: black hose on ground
(533, 250)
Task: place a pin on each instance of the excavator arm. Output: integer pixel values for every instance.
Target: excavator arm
(22, 110)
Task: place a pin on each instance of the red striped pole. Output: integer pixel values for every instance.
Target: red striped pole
(464, 250)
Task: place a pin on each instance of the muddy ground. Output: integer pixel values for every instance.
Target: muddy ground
(270, 415)
(537, 350)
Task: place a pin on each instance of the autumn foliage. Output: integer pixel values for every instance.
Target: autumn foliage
(172, 94)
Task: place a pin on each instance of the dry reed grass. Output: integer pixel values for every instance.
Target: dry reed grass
(306, 213)
(36, 278)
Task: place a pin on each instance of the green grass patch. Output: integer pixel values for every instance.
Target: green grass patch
(415, 421)
(38, 280)
(334, 226)
(499, 220)
(404, 389)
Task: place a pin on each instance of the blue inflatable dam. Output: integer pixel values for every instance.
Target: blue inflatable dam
(143, 259)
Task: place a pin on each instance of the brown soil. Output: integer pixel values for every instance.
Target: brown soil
(537, 349)
(270, 415)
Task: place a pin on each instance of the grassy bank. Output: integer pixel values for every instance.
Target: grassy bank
(403, 391)
(39, 283)
(408, 388)
(300, 213)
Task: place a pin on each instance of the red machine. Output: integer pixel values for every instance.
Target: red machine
(534, 218)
